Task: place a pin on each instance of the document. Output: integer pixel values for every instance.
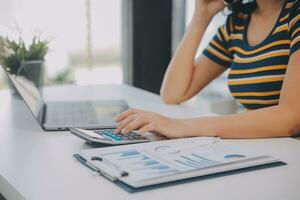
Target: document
(148, 162)
(138, 166)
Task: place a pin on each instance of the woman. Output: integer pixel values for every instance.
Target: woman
(259, 43)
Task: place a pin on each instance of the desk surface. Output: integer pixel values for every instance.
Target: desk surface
(37, 165)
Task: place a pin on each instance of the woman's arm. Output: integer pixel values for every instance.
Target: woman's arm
(276, 121)
(184, 78)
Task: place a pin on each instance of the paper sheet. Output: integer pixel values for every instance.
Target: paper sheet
(153, 161)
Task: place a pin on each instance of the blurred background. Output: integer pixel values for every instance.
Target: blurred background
(110, 42)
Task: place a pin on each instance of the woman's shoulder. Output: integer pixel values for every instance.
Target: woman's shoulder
(293, 7)
(293, 24)
(293, 11)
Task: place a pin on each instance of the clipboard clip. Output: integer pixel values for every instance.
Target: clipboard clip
(107, 169)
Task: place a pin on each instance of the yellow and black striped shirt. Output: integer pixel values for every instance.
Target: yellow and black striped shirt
(257, 72)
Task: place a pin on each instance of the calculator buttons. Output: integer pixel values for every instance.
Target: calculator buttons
(111, 136)
(118, 137)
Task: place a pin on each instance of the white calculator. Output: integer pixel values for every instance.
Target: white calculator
(107, 136)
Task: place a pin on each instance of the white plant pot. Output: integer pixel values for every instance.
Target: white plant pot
(33, 71)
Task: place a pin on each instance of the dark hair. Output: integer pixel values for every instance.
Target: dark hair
(240, 7)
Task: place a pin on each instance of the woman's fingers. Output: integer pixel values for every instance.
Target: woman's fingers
(141, 121)
(135, 124)
(147, 128)
(125, 122)
(125, 114)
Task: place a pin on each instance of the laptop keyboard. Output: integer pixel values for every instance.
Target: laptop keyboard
(71, 114)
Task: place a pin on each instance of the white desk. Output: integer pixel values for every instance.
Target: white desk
(37, 165)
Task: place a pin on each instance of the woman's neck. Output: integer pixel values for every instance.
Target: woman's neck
(269, 6)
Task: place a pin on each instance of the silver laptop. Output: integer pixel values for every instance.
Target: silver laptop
(71, 114)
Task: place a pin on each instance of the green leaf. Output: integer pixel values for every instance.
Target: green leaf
(37, 50)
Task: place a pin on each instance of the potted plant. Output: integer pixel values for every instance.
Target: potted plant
(19, 59)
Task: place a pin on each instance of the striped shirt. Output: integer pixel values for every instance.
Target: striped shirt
(256, 72)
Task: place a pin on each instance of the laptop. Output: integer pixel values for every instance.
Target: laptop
(54, 116)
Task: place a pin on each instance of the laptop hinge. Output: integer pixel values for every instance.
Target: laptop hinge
(44, 115)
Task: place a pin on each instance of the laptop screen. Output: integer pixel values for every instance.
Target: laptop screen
(30, 94)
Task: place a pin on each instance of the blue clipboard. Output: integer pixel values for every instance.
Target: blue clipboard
(130, 189)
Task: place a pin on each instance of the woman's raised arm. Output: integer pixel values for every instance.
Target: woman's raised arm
(184, 77)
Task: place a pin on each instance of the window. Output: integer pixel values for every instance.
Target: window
(85, 36)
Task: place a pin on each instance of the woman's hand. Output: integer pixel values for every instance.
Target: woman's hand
(208, 8)
(142, 121)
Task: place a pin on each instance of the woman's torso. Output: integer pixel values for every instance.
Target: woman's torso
(256, 72)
